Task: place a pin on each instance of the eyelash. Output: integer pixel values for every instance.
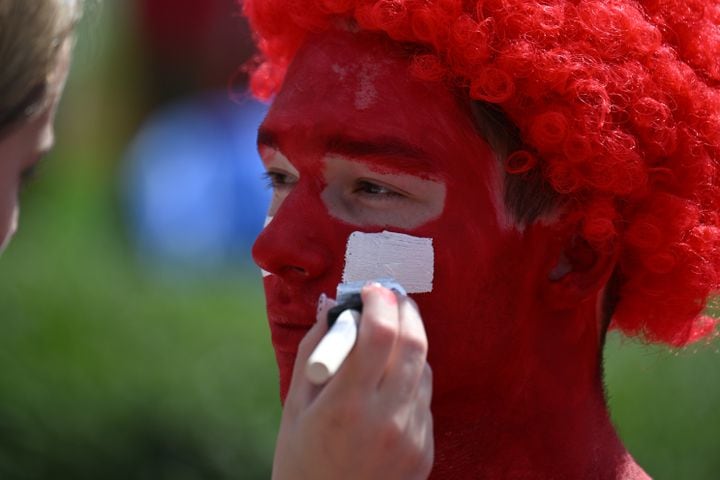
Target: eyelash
(277, 180)
(371, 189)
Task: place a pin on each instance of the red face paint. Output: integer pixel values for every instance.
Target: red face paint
(304, 245)
(353, 95)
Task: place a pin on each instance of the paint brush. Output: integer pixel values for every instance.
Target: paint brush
(343, 320)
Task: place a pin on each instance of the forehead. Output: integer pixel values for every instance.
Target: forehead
(359, 85)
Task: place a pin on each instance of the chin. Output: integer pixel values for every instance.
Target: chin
(6, 241)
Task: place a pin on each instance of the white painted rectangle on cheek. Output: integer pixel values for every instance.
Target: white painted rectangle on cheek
(267, 222)
(407, 259)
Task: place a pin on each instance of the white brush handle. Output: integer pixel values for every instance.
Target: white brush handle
(333, 348)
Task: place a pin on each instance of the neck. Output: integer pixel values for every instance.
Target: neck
(547, 417)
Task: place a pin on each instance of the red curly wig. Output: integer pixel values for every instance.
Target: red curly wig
(616, 101)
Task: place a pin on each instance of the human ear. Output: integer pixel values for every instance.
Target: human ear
(579, 274)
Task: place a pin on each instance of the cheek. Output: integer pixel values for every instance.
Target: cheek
(275, 202)
(472, 294)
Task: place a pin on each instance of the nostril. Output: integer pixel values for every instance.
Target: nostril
(288, 247)
(296, 271)
(274, 259)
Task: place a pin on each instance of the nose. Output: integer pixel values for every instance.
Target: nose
(291, 245)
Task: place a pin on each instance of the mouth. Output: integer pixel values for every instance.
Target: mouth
(291, 311)
(290, 317)
(290, 305)
(288, 326)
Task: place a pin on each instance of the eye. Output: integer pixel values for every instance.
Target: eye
(278, 180)
(372, 189)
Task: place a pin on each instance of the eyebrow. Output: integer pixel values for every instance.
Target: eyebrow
(403, 154)
(389, 146)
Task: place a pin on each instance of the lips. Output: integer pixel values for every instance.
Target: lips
(290, 313)
(290, 316)
(291, 303)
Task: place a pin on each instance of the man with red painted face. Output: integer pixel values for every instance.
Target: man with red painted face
(547, 170)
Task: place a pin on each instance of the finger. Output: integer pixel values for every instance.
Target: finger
(419, 434)
(425, 390)
(427, 446)
(301, 390)
(408, 360)
(366, 363)
(421, 427)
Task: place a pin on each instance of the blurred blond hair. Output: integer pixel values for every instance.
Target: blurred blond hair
(31, 34)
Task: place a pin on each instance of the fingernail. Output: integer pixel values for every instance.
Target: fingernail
(322, 300)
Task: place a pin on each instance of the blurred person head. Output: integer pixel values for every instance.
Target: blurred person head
(35, 47)
(560, 157)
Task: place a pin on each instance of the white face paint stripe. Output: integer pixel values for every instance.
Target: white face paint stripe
(408, 260)
(267, 222)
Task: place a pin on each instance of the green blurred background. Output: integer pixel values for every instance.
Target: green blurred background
(108, 370)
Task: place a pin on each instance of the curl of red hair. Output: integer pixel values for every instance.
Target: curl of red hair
(618, 99)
